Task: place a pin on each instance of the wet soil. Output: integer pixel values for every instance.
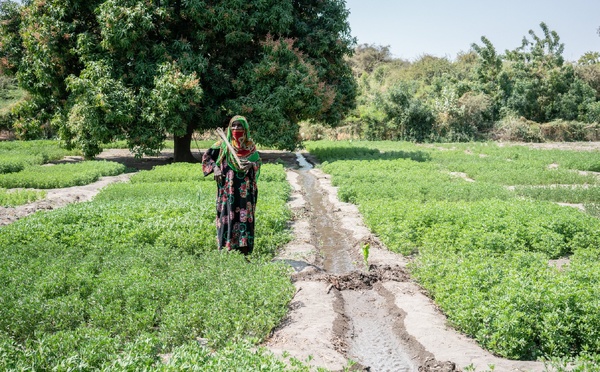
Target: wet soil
(367, 331)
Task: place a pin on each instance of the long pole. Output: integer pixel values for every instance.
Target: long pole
(231, 149)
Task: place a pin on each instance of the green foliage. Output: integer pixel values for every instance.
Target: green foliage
(117, 282)
(526, 94)
(564, 194)
(13, 198)
(10, 40)
(593, 209)
(482, 251)
(171, 173)
(234, 357)
(540, 86)
(106, 70)
(568, 131)
(365, 253)
(100, 107)
(16, 155)
(367, 57)
(6, 84)
(60, 175)
(407, 117)
(10, 97)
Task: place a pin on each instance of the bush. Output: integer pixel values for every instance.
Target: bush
(568, 131)
(593, 112)
(517, 129)
(405, 116)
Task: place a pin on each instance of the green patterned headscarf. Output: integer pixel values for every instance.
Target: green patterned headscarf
(245, 150)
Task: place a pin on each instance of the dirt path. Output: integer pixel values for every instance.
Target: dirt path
(57, 198)
(379, 319)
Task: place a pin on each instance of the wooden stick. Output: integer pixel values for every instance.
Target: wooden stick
(231, 149)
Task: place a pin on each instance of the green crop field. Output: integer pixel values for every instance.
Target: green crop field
(16, 155)
(133, 280)
(482, 226)
(12, 198)
(24, 164)
(60, 175)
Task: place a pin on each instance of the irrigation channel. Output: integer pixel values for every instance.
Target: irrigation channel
(345, 316)
(367, 329)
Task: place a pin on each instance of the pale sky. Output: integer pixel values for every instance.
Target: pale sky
(444, 28)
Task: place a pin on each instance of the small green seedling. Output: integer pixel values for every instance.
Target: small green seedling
(365, 252)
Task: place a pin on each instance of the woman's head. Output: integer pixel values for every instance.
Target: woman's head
(237, 125)
(238, 134)
(238, 128)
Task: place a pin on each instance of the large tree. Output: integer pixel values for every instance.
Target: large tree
(10, 41)
(101, 70)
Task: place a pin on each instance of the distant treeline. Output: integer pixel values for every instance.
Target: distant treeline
(530, 94)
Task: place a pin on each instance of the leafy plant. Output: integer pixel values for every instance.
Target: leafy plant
(16, 155)
(365, 253)
(14, 198)
(60, 175)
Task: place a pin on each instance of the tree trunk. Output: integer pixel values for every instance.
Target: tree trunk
(183, 151)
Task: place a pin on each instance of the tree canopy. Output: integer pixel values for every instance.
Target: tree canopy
(101, 70)
(482, 94)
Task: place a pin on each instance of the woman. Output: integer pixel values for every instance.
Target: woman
(237, 192)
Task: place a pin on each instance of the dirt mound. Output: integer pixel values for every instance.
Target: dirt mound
(355, 280)
(432, 365)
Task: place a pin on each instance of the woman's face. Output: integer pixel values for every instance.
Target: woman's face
(236, 125)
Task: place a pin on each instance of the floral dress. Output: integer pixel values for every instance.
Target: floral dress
(236, 203)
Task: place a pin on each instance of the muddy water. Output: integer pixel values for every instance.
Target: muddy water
(372, 340)
(330, 240)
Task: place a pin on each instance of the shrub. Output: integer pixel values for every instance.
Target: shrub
(517, 129)
(562, 130)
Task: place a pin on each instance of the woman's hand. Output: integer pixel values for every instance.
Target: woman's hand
(245, 165)
(218, 174)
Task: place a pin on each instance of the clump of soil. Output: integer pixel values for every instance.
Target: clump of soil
(355, 280)
(432, 365)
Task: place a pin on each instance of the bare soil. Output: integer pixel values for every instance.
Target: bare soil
(578, 146)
